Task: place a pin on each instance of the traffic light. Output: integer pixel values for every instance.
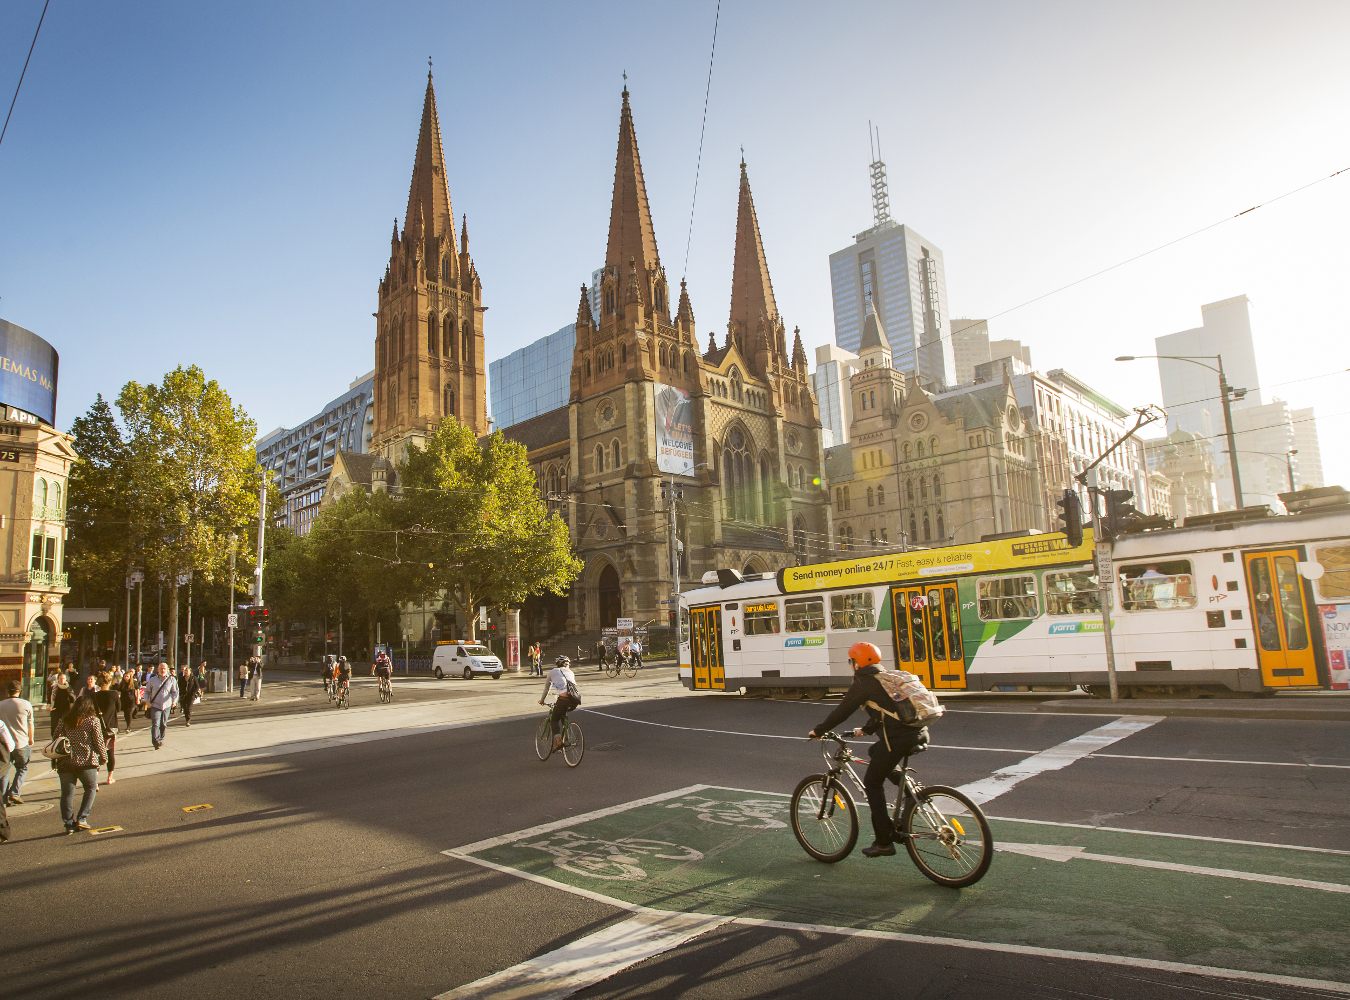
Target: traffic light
(1071, 521)
(1120, 514)
(673, 616)
(259, 618)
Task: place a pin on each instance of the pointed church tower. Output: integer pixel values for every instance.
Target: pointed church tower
(429, 351)
(754, 318)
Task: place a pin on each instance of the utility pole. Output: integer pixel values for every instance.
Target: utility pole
(258, 572)
(127, 665)
(1289, 464)
(189, 625)
(230, 610)
(140, 594)
(1224, 390)
(1105, 582)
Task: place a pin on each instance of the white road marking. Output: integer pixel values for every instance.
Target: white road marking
(1212, 760)
(1057, 757)
(590, 960)
(1062, 852)
(773, 736)
(1175, 836)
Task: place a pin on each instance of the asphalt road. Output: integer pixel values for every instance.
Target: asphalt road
(321, 874)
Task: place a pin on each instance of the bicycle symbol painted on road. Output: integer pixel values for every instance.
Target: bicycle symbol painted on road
(612, 860)
(748, 814)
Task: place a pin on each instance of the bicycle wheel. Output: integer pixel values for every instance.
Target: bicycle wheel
(543, 739)
(630, 668)
(574, 745)
(612, 668)
(947, 836)
(824, 820)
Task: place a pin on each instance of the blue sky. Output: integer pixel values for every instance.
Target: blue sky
(187, 183)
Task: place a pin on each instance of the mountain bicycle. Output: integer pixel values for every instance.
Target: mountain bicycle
(573, 745)
(386, 690)
(943, 830)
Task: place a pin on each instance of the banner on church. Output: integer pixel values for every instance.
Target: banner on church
(674, 430)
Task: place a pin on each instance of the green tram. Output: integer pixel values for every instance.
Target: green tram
(1230, 603)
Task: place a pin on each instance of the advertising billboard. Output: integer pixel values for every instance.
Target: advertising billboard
(674, 430)
(27, 372)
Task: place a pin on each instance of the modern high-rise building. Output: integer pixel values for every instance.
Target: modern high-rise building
(533, 380)
(970, 347)
(1308, 462)
(1265, 436)
(301, 457)
(834, 367)
(1010, 349)
(904, 276)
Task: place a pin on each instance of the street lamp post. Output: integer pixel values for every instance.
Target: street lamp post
(1225, 390)
(1289, 464)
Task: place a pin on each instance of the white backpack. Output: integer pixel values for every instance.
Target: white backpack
(917, 705)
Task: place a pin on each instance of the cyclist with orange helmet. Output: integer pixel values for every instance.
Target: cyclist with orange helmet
(897, 739)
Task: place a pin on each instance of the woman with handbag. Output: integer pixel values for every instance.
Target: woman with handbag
(85, 753)
(107, 702)
(62, 700)
(188, 691)
(126, 689)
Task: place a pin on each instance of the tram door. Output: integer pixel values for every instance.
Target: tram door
(705, 647)
(928, 634)
(1281, 610)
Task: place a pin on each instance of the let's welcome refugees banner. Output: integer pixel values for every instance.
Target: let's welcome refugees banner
(674, 430)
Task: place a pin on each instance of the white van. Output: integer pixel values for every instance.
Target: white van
(467, 659)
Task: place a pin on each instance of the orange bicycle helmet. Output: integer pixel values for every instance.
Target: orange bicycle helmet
(863, 654)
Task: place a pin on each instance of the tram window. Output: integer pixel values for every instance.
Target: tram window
(1072, 593)
(684, 624)
(1007, 597)
(761, 619)
(1158, 586)
(1335, 581)
(852, 611)
(806, 615)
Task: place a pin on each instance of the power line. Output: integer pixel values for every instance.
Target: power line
(25, 71)
(689, 241)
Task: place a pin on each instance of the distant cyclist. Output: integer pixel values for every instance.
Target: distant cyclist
(343, 675)
(897, 739)
(328, 669)
(564, 685)
(384, 670)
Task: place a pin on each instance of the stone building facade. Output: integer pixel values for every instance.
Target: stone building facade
(429, 357)
(754, 501)
(924, 469)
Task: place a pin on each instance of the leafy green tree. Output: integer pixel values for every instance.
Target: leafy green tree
(476, 528)
(193, 475)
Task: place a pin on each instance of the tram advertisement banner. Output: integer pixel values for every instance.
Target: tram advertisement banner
(674, 430)
(1336, 630)
(979, 557)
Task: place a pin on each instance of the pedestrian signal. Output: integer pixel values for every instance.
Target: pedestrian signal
(1120, 514)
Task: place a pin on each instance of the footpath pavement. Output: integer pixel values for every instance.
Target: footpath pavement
(245, 738)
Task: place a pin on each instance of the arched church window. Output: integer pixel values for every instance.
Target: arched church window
(40, 492)
(937, 487)
(913, 531)
(909, 490)
(663, 355)
(923, 489)
(614, 453)
(445, 268)
(402, 328)
(927, 533)
(765, 493)
(906, 451)
(448, 338)
(384, 350)
(920, 449)
(881, 496)
(466, 345)
(932, 446)
(599, 458)
(449, 402)
(623, 354)
(433, 334)
(609, 300)
(870, 496)
(942, 528)
(588, 368)
(686, 362)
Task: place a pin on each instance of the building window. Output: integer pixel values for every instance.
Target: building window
(927, 536)
(445, 268)
(1007, 597)
(686, 362)
(588, 368)
(913, 532)
(614, 454)
(923, 489)
(942, 528)
(599, 458)
(839, 499)
(869, 496)
(447, 338)
(937, 487)
(466, 345)
(920, 449)
(623, 354)
(1075, 592)
(909, 490)
(806, 615)
(847, 503)
(881, 496)
(432, 334)
(449, 402)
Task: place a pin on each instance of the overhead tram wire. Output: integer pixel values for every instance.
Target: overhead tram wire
(703, 129)
(25, 71)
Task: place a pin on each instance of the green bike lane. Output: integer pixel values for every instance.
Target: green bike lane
(1139, 898)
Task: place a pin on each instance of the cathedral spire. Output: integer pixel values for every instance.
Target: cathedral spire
(428, 195)
(584, 318)
(752, 302)
(631, 237)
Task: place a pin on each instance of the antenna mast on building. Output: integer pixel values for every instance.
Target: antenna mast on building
(881, 199)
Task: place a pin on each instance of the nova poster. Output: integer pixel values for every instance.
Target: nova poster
(674, 431)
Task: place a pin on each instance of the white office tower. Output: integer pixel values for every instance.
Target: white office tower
(834, 367)
(1308, 461)
(1191, 391)
(1265, 437)
(970, 347)
(903, 275)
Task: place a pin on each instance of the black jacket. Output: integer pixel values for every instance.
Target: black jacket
(865, 688)
(108, 703)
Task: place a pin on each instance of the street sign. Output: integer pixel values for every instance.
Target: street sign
(482, 616)
(232, 621)
(184, 579)
(137, 576)
(188, 638)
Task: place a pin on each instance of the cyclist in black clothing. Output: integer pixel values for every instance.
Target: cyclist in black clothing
(897, 739)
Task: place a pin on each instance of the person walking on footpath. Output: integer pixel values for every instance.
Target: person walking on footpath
(16, 716)
(6, 750)
(242, 677)
(188, 692)
(535, 654)
(62, 699)
(255, 672)
(161, 694)
(80, 766)
(107, 702)
(126, 690)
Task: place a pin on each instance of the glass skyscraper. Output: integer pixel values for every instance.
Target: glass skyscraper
(533, 380)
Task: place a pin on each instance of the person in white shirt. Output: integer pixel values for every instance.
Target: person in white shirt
(16, 715)
(563, 682)
(161, 694)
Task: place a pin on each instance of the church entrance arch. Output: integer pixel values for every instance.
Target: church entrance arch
(610, 601)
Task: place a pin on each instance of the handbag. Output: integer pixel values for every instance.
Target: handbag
(58, 749)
